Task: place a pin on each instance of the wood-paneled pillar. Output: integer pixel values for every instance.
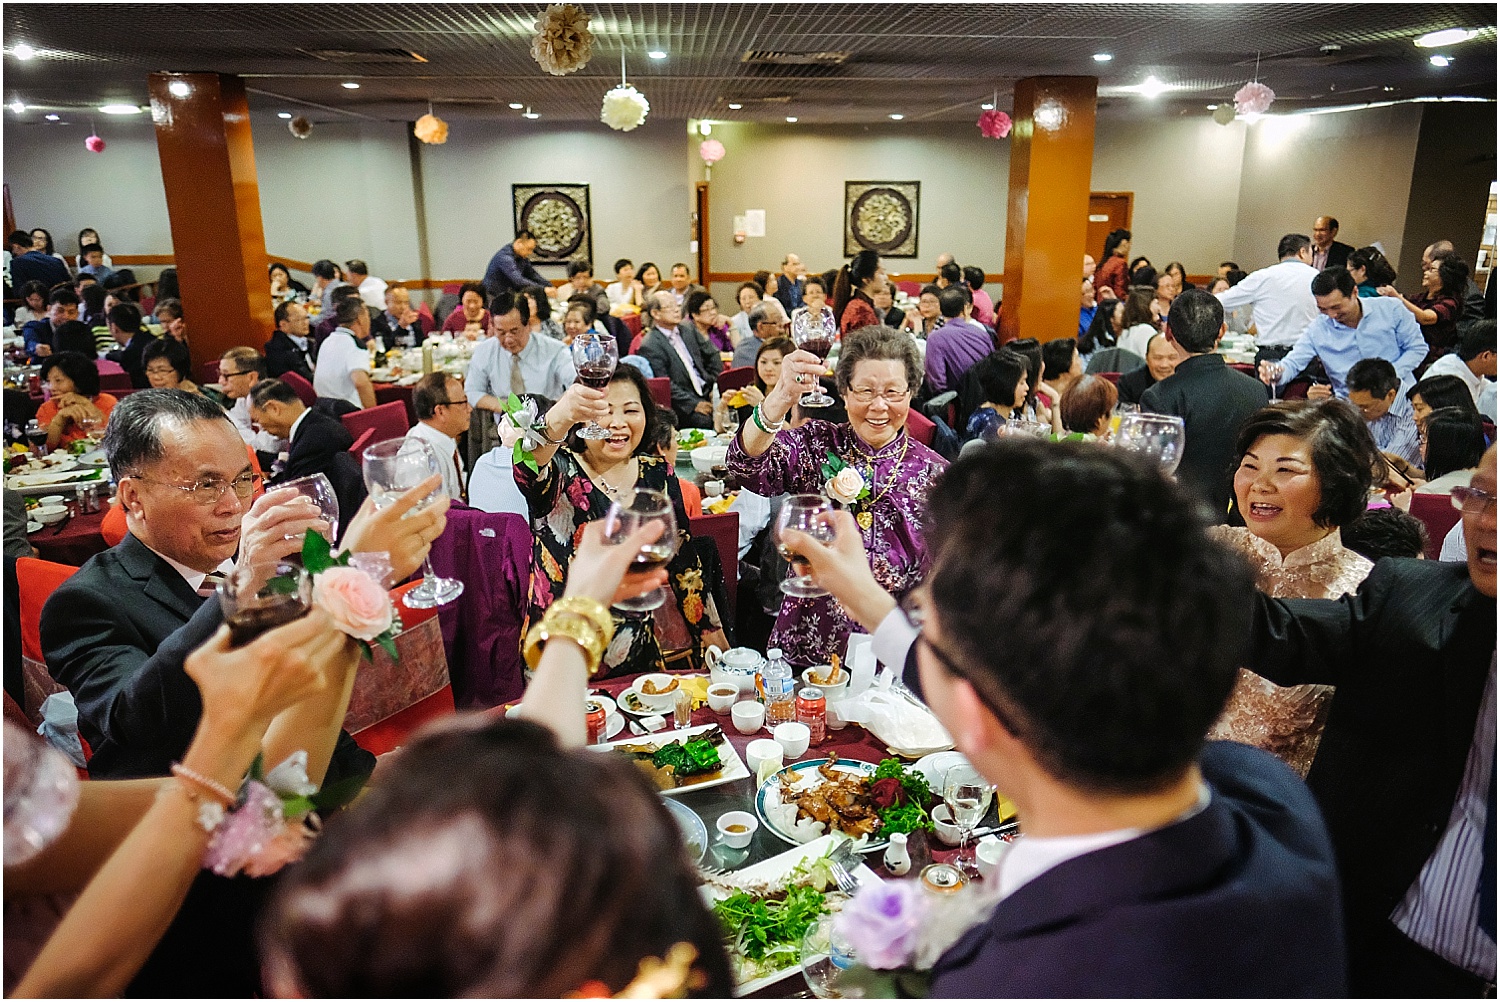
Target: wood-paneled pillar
(213, 202)
(1051, 163)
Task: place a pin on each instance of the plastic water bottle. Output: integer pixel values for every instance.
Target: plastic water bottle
(776, 689)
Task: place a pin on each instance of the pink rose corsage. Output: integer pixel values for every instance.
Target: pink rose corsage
(351, 589)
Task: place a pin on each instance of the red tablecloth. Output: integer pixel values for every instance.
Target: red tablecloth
(72, 541)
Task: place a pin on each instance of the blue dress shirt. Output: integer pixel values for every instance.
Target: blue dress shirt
(1386, 330)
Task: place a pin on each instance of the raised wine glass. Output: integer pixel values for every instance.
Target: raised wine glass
(595, 356)
(815, 335)
(393, 467)
(968, 796)
(804, 513)
(319, 490)
(257, 597)
(631, 510)
(825, 955)
(1158, 436)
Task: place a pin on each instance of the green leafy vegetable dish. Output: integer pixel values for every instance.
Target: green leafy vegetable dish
(764, 930)
(901, 796)
(688, 759)
(692, 438)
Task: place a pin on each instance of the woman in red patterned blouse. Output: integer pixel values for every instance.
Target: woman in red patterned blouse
(852, 291)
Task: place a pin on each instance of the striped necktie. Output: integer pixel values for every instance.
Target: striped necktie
(210, 585)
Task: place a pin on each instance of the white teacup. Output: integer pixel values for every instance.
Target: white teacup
(748, 716)
(947, 832)
(793, 738)
(988, 854)
(722, 695)
(737, 828)
(713, 488)
(760, 751)
(836, 719)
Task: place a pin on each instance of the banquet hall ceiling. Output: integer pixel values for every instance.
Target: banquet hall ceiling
(928, 62)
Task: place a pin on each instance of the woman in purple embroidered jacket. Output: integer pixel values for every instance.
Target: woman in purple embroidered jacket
(882, 474)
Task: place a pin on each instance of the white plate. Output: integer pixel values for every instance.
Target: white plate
(769, 796)
(694, 831)
(630, 701)
(31, 484)
(936, 765)
(95, 458)
(770, 869)
(733, 770)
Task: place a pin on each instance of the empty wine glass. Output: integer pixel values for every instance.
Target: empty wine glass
(815, 335)
(1158, 436)
(629, 512)
(318, 488)
(595, 356)
(825, 955)
(803, 513)
(393, 467)
(968, 796)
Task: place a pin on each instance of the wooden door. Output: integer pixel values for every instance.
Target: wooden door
(1108, 210)
(700, 231)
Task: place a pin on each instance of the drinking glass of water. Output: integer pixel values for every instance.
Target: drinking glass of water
(391, 468)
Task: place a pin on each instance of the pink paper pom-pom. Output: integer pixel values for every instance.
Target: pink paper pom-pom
(1253, 99)
(94, 144)
(994, 124)
(711, 150)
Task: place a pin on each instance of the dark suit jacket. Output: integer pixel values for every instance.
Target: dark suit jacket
(34, 266)
(658, 350)
(1409, 653)
(1134, 384)
(129, 358)
(1338, 254)
(388, 331)
(283, 355)
(321, 445)
(785, 294)
(1213, 400)
(1240, 900)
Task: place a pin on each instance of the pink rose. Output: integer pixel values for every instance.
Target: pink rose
(846, 485)
(357, 603)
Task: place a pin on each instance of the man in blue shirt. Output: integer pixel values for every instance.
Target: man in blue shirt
(510, 271)
(1089, 306)
(1350, 329)
(28, 265)
(1375, 389)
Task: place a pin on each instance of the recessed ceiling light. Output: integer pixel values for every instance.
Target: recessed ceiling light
(516, 106)
(283, 114)
(1103, 57)
(17, 106)
(657, 54)
(987, 106)
(1388, 89)
(1448, 36)
(1211, 107)
(1440, 61)
(54, 118)
(528, 113)
(179, 88)
(792, 119)
(735, 106)
(350, 85)
(24, 51)
(120, 109)
(895, 116)
(1151, 87)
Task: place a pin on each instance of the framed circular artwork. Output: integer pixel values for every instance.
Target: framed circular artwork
(881, 216)
(558, 216)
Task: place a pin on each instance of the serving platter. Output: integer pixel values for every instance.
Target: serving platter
(733, 766)
(53, 481)
(771, 810)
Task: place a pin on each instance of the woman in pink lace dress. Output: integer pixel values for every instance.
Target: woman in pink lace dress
(1305, 470)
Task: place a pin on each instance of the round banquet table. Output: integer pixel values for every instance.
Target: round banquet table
(71, 541)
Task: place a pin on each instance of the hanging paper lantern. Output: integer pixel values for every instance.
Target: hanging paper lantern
(624, 108)
(711, 150)
(994, 124)
(563, 42)
(300, 127)
(94, 144)
(1224, 114)
(431, 129)
(1254, 98)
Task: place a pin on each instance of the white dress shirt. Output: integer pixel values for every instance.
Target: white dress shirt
(259, 440)
(1282, 299)
(546, 366)
(194, 578)
(338, 360)
(448, 457)
(1451, 365)
(492, 485)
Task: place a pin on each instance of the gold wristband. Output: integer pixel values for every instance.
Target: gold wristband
(590, 609)
(567, 627)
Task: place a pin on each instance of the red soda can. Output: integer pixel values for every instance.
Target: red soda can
(812, 710)
(595, 718)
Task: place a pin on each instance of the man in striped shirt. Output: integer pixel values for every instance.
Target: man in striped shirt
(1375, 388)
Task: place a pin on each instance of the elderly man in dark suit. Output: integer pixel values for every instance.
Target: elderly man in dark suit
(317, 442)
(1151, 864)
(685, 354)
(291, 348)
(1328, 252)
(1406, 770)
(1212, 399)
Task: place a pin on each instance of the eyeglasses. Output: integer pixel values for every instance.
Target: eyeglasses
(453, 403)
(1471, 500)
(915, 611)
(231, 375)
(864, 395)
(160, 370)
(209, 490)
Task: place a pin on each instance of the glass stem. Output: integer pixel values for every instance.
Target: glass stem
(428, 572)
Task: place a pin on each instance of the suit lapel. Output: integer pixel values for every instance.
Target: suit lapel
(159, 579)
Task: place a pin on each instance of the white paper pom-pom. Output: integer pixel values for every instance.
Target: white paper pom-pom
(1253, 99)
(624, 108)
(300, 127)
(431, 129)
(563, 42)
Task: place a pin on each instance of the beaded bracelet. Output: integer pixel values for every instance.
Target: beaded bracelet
(760, 423)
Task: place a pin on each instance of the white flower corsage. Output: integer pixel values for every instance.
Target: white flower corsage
(522, 431)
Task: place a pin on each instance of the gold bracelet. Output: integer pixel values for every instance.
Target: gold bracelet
(565, 627)
(591, 609)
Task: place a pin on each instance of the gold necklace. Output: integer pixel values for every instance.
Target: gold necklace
(866, 518)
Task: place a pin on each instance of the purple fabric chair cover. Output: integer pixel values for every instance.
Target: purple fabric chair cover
(491, 554)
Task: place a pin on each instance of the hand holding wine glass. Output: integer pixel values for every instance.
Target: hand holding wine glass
(631, 511)
(595, 356)
(391, 468)
(814, 335)
(808, 514)
(319, 490)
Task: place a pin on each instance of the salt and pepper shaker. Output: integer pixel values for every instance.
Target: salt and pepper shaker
(897, 860)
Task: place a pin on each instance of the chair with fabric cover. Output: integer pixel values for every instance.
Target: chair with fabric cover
(912, 289)
(36, 580)
(363, 440)
(661, 390)
(388, 421)
(1245, 367)
(1114, 360)
(921, 427)
(1435, 511)
(490, 552)
(301, 387)
(114, 382)
(733, 379)
(635, 343)
(208, 372)
(391, 699)
(632, 322)
(428, 323)
(724, 530)
(1113, 377)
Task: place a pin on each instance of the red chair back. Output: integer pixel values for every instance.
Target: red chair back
(388, 421)
(724, 530)
(1245, 367)
(1435, 511)
(1113, 377)
(301, 387)
(429, 323)
(661, 390)
(632, 322)
(912, 289)
(635, 343)
(36, 580)
(208, 372)
(114, 382)
(362, 441)
(113, 528)
(732, 379)
(920, 427)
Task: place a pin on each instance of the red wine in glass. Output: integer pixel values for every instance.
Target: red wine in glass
(596, 376)
(653, 556)
(819, 346)
(247, 624)
(595, 356)
(814, 335)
